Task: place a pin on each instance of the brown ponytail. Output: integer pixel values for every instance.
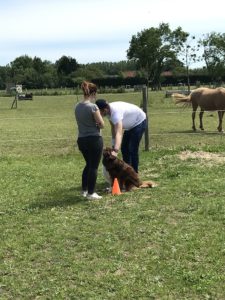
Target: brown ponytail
(88, 88)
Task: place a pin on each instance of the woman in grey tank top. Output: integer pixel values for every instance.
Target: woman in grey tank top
(90, 143)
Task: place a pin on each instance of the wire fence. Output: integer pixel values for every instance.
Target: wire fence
(72, 137)
(161, 133)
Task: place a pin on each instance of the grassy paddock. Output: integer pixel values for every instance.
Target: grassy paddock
(162, 243)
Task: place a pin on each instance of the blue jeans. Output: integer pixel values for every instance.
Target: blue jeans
(130, 144)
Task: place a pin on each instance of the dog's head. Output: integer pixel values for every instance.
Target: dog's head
(118, 168)
(107, 151)
(108, 158)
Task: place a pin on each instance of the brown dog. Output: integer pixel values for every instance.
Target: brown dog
(125, 174)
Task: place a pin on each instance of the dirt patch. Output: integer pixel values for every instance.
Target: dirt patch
(203, 156)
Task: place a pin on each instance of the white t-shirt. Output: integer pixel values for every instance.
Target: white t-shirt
(131, 115)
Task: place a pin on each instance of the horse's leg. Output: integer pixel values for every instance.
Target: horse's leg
(222, 121)
(200, 119)
(220, 115)
(193, 116)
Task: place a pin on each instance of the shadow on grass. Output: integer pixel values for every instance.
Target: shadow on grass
(58, 198)
(197, 132)
(63, 198)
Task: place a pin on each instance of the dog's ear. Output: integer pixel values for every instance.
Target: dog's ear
(107, 150)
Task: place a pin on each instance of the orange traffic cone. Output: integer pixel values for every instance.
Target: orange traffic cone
(116, 188)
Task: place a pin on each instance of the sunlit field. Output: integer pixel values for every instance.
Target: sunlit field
(162, 243)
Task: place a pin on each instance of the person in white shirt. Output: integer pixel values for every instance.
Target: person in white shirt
(128, 123)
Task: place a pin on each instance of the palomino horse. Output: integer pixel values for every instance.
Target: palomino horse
(207, 99)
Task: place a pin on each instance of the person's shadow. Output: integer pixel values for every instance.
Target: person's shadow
(63, 198)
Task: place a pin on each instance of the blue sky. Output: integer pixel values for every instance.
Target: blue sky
(95, 30)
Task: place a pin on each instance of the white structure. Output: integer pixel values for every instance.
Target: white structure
(19, 88)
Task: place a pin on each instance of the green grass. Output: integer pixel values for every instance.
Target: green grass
(162, 243)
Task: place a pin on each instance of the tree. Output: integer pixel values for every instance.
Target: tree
(18, 67)
(214, 54)
(50, 77)
(66, 66)
(22, 62)
(4, 76)
(88, 72)
(39, 65)
(32, 73)
(188, 55)
(153, 47)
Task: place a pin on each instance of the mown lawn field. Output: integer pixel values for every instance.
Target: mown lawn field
(162, 243)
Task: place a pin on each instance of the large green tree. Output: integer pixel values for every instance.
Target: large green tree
(18, 68)
(66, 66)
(153, 48)
(214, 54)
(32, 72)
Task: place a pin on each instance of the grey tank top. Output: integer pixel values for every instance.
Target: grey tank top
(85, 119)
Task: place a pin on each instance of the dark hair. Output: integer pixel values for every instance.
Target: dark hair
(88, 88)
(101, 103)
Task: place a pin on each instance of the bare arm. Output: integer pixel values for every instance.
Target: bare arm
(98, 119)
(117, 133)
(112, 130)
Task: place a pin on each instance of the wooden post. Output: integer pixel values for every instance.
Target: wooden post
(145, 109)
(14, 104)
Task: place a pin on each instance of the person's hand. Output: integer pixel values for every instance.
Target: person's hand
(114, 153)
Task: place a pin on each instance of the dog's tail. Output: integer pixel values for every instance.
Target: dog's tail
(148, 184)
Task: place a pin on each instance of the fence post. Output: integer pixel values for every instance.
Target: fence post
(145, 109)
(14, 103)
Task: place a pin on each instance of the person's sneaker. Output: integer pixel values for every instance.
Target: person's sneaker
(94, 196)
(84, 193)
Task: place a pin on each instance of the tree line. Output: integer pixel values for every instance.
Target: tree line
(152, 52)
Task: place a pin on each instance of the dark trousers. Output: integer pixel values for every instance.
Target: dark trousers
(91, 147)
(130, 144)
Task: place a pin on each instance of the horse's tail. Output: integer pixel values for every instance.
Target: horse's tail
(180, 98)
